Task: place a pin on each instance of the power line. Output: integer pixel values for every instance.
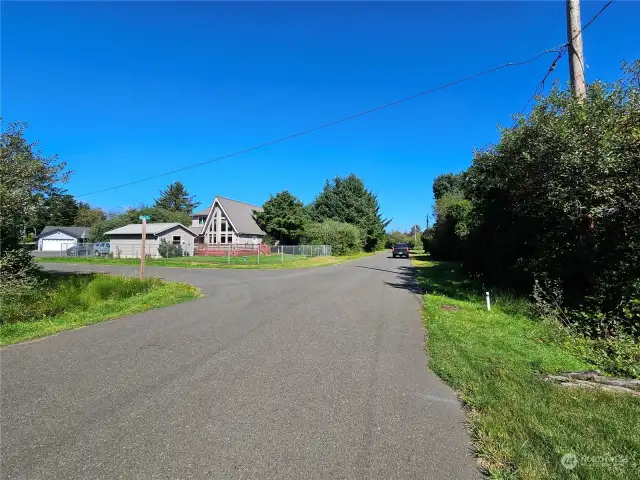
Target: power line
(563, 50)
(593, 19)
(330, 124)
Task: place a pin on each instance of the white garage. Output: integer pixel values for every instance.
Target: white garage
(56, 239)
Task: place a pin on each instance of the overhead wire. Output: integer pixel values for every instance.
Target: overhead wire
(563, 50)
(329, 124)
(560, 50)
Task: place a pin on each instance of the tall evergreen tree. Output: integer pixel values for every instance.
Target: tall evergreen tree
(176, 198)
(346, 199)
(283, 217)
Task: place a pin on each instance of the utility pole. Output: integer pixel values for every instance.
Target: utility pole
(574, 43)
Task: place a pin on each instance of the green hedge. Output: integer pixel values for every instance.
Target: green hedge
(344, 238)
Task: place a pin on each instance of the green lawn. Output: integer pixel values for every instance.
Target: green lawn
(265, 262)
(522, 426)
(69, 301)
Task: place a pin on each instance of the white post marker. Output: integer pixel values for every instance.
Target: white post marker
(229, 255)
(281, 254)
(488, 303)
(144, 237)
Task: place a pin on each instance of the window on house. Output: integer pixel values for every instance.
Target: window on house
(223, 239)
(176, 240)
(229, 239)
(201, 220)
(211, 227)
(223, 226)
(215, 225)
(210, 238)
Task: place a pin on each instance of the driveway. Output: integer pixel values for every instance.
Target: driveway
(301, 374)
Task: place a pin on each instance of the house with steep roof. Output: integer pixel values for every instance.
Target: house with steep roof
(226, 222)
(56, 239)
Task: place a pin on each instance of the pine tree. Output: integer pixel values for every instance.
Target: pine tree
(346, 199)
(176, 198)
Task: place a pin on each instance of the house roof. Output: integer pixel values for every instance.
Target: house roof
(152, 229)
(196, 229)
(241, 216)
(75, 232)
(201, 213)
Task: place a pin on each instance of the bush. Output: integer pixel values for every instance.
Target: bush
(557, 197)
(19, 285)
(427, 239)
(169, 250)
(344, 238)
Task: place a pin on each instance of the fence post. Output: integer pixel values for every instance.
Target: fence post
(281, 254)
(258, 254)
(229, 255)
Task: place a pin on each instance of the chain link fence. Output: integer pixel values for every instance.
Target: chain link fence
(231, 254)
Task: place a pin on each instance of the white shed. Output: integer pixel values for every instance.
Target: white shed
(126, 242)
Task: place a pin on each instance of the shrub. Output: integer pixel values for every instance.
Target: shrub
(169, 250)
(19, 285)
(557, 197)
(427, 239)
(344, 238)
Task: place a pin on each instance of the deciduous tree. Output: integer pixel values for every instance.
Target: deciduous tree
(27, 178)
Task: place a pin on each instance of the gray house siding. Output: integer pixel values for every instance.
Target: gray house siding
(130, 245)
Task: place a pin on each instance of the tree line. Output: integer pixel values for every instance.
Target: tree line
(345, 215)
(553, 209)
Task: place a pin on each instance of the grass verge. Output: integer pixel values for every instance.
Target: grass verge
(69, 301)
(266, 262)
(522, 426)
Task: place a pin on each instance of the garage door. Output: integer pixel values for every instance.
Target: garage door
(51, 245)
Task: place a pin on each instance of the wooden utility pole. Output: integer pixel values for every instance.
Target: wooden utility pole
(142, 253)
(574, 43)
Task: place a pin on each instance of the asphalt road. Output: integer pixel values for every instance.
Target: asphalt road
(301, 374)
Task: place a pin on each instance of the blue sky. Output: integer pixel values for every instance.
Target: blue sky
(126, 90)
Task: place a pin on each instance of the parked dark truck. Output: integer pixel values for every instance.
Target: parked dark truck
(400, 250)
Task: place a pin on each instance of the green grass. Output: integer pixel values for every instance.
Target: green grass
(522, 426)
(69, 301)
(266, 261)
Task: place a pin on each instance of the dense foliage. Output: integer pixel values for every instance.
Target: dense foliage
(346, 199)
(169, 250)
(447, 183)
(283, 218)
(344, 238)
(396, 236)
(176, 198)
(27, 179)
(87, 216)
(557, 203)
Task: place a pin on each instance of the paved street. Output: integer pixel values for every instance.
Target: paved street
(301, 374)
